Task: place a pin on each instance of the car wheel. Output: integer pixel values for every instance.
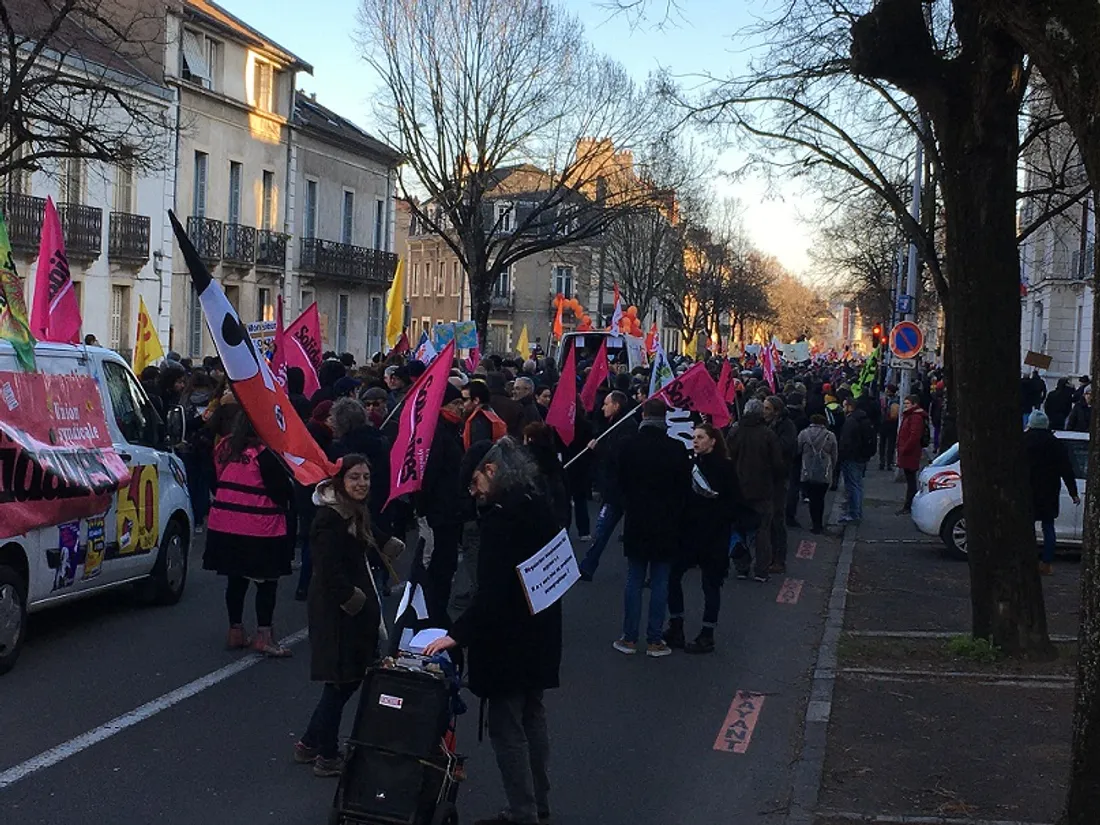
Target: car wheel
(953, 534)
(13, 617)
(169, 576)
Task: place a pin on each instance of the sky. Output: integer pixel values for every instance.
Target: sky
(700, 39)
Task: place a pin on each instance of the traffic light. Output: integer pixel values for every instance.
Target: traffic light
(876, 334)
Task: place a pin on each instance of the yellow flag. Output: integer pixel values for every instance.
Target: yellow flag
(395, 307)
(147, 348)
(523, 346)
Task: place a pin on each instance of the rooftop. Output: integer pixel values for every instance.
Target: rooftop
(311, 115)
(214, 15)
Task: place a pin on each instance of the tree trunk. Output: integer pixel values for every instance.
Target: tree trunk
(949, 429)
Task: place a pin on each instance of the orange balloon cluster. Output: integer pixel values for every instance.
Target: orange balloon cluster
(584, 322)
(630, 323)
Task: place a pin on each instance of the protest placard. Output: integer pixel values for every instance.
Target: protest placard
(548, 574)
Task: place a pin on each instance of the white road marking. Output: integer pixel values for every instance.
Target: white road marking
(72, 747)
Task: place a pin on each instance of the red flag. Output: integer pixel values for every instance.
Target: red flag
(696, 391)
(416, 424)
(402, 345)
(299, 346)
(651, 339)
(473, 359)
(259, 394)
(727, 386)
(557, 321)
(563, 408)
(55, 315)
(596, 376)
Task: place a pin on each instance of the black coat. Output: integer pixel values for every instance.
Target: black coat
(850, 441)
(1049, 466)
(608, 452)
(509, 650)
(441, 498)
(1080, 418)
(655, 479)
(342, 647)
(787, 433)
(708, 521)
(1058, 406)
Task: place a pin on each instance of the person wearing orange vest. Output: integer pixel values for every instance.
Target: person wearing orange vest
(482, 424)
(250, 534)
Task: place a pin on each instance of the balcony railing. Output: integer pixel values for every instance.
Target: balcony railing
(340, 260)
(23, 215)
(83, 228)
(128, 237)
(271, 249)
(206, 236)
(240, 244)
(502, 302)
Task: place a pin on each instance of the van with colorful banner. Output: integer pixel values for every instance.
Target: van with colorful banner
(91, 496)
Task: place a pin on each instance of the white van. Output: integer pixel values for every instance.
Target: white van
(32, 575)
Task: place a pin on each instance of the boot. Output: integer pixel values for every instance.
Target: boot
(704, 642)
(265, 645)
(1046, 569)
(237, 638)
(674, 636)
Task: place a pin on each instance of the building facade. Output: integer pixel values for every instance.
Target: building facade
(344, 183)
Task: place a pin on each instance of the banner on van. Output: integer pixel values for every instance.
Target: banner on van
(57, 459)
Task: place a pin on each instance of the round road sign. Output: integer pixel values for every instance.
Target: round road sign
(906, 340)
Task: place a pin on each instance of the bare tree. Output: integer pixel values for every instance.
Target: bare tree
(644, 253)
(473, 89)
(78, 79)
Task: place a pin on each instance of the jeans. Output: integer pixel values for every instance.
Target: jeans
(910, 487)
(235, 589)
(816, 494)
(853, 472)
(517, 731)
(779, 525)
(1049, 541)
(323, 732)
(632, 599)
(609, 517)
(762, 542)
(887, 443)
(712, 593)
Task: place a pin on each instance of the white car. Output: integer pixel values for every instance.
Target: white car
(143, 537)
(938, 505)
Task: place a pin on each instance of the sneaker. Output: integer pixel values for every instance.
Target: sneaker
(584, 538)
(326, 768)
(743, 575)
(704, 643)
(304, 754)
(760, 579)
(778, 568)
(623, 646)
(265, 645)
(656, 650)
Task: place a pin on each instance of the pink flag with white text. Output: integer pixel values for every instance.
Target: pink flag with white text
(416, 422)
(695, 390)
(596, 376)
(562, 414)
(55, 313)
(299, 345)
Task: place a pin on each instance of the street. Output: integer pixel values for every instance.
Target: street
(633, 739)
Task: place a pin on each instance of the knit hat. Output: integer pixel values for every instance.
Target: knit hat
(1038, 421)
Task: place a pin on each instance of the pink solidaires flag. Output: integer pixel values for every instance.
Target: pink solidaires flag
(767, 366)
(562, 414)
(299, 345)
(598, 374)
(55, 314)
(695, 390)
(727, 386)
(416, 422)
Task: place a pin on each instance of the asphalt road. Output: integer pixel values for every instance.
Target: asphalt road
(633, 738)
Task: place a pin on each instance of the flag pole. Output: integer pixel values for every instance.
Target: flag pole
(587, 447)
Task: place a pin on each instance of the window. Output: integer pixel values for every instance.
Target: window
(233, 213)
(374, 325)
(563, 281)
(199, 201)
(414, 329)
(135, 417)
(72, 181)
(193, 65)
(502, 286)
(503, 217)
(310, 229)
(379, 224)
(343, 309)
(266, 305)
(124, 183)
(425, 326)
(194, 326)
(427, 279)
(233, 295)
(441, 278)
(415, 290)
(454, 278)
(118, 337)
(213, 63)
(266, 218)
(347, 217)
(306, 299)
(262, 83)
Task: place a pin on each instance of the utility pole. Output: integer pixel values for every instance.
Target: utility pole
(911, 274)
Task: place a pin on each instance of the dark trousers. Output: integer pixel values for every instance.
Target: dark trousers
(887, 443)
(198, 485)
(794, 489)
(323, 732)
(441, 572)
(910, 487)
(762, 548)
(816, 494)
(235, 589)
(779, 525)
(579, 489)
(517, 731)
(712, 593)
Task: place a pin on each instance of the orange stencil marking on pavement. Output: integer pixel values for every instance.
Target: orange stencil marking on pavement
(806, 549)
(789, 591)
(736, 731)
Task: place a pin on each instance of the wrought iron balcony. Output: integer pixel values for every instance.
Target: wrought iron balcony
(271, 249)
(502, 302)
(347, 262)
(206, 236)
(23, 215)
(240, 244)
(83, 229)
(128, 237)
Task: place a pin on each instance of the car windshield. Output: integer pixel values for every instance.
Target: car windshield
(948, 456)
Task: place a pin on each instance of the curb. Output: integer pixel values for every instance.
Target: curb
(810, 765)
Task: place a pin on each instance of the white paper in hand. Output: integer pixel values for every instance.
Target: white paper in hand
(424, 638)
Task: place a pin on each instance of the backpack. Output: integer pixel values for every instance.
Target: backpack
(868, 440)
(830, 418)
(813, 468)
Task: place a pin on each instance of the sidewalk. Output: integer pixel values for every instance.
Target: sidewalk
(917, 732)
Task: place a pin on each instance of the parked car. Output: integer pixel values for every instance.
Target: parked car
(938, 505)
(142, 540)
